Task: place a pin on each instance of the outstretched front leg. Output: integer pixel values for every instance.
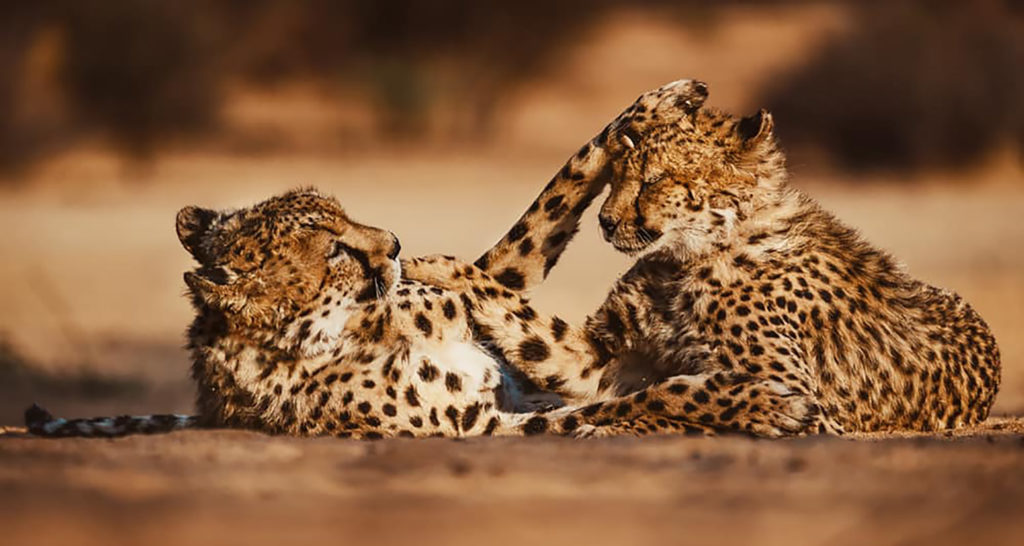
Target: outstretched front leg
(580, 364)
(554, 355)
(523, 257)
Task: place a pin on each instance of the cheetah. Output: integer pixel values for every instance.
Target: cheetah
(307, 323)
(305, 326)
(741, 278)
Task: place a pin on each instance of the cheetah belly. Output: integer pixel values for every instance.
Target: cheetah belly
(467, 372)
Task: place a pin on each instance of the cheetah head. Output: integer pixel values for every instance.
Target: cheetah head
(288, 261)
(685, 184)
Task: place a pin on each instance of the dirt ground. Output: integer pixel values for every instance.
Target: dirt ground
(234, 487)
(93, 317)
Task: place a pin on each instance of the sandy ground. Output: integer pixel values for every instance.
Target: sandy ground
(93, 314)
(242, 488)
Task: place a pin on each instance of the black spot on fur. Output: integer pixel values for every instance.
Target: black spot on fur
(517, 232)
(449, 309)
(491, 425)
(553, 203)
(453, 416)
(533, 349)
(452, 382)
(526, 246)
(511, 278)
(469, 417)
(424, 324)
(411, 397)
(677, 388)
(556, 239)
(535, 425)
(526, 313)
(428, 372)
(558, 328)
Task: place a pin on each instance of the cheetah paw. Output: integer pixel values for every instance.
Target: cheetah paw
(586, 432)
(785, 413)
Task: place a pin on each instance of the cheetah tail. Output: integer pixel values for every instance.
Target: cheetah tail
(41, 423)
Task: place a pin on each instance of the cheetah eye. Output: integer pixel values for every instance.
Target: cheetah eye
(339, 250)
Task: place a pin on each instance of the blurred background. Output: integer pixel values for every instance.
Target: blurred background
(441, 120)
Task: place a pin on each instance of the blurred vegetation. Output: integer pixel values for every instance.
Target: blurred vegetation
(143, 72)
(927, 84)
(913, 84)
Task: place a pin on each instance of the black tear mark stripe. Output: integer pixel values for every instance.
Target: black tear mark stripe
(369, 273)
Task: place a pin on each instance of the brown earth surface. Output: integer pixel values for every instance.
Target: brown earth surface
(231, 487)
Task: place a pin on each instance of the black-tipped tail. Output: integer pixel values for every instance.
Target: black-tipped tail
(36, 418)
(41, 423)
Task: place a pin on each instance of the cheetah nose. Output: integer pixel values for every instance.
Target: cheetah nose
(607, 226)
(395, 249)
(700, 88)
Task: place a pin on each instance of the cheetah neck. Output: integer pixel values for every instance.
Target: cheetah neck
(234, 364)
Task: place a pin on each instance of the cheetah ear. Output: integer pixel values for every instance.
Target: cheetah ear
(192, 224)
(216, 292)
(756, 128)
(694, 100)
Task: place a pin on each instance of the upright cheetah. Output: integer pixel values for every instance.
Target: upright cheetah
(738, 275)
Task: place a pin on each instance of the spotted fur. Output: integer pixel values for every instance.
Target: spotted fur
(304, 325)
(747, 279)
(525, 255)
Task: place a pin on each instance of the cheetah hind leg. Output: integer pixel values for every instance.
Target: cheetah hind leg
(647, 425)
(704, 403)
(793, 415)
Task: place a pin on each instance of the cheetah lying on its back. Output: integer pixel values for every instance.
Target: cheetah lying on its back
(742, 283)
(305, 326)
